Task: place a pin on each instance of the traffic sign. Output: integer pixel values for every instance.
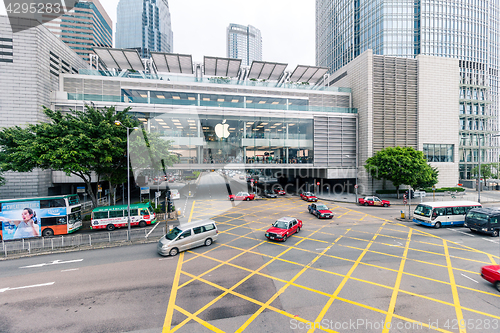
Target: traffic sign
(317, 183)
(144, 190)
(356, 186)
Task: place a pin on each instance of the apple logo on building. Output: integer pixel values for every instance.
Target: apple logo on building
(222, 130)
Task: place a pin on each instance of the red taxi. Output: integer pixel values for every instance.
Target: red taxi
(308, 196)
(373, 201)
(283, 228)
(492, 274)
(279, 191)
(245, 196)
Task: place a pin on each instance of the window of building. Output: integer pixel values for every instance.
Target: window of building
(438, 152)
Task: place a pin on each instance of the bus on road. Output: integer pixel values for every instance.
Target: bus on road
(442, 213)
(111, 217)
(42, 216)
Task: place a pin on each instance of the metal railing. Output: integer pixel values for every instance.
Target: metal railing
(95, 239)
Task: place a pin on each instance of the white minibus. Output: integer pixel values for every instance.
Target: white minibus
(443, 213)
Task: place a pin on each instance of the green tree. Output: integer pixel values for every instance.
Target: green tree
(78, 143)
(488, 170)
(401, 165)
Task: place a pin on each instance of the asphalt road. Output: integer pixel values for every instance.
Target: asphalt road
(359, 272)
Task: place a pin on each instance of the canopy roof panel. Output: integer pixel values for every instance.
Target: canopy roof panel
(120, 58)
(215, 66)
(266, 70)
(309, 74)
(172, 62)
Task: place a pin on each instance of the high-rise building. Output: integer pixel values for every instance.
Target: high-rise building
(144, 25)
(244, 42)
(83, 27)
(463, 30)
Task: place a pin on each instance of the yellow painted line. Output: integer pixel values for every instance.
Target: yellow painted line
(192, 210)
(492, 259)
(282, 289)
(456, 300)
(198, 320)
(221, 264)
(344, 281)
(173, 295)
(392, 304)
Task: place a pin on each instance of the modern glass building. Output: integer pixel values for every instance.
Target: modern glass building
(85, 26)
(144, 25)
(244, 42)
(460, 29)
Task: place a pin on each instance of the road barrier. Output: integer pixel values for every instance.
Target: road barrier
(93, 240)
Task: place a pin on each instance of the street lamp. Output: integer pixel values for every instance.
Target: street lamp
(118, 123)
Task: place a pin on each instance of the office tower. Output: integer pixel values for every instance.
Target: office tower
(244, 42)
(460, 29)
(144, 25)
(83, 27)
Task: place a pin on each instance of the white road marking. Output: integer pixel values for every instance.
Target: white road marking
(321, 249)
(489, 240)
(462, 232)
(55, 262)
(469, 278)
(24, 287)
(166, 258)
(69, 270)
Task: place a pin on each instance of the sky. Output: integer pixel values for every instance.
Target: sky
(199, 27)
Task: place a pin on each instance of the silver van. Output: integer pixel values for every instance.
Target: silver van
(187, 236)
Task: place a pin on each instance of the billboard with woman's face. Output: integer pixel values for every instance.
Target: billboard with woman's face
(20, 219)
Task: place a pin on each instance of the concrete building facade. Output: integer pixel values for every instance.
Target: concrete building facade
(31, 64)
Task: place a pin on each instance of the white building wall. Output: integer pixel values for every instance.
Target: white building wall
(25, 86)
(438, 89)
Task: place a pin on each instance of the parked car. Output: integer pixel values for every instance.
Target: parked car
(245, 196)
(492, 274)
(373, 201)
(283, 228)
(185, 237)
(279, 191)
(320, 211)
(308, 196)
(268, 194)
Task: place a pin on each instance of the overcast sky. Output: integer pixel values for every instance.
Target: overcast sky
(199, 26)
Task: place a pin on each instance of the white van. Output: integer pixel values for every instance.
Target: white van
(188, 236)
(174, 194)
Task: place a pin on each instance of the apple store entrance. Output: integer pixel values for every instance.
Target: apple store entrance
(219, 139)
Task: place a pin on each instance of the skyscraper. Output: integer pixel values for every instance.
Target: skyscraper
(144, 25)
(83, 27)
(244, 42)
(460, 29)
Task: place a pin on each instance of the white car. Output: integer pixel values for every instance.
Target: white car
(174, 194)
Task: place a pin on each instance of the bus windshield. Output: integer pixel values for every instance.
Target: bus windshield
(172, 234)
(423, 210)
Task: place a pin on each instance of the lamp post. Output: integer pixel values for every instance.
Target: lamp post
(118, 123)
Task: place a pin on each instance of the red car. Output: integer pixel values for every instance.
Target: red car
(283, 228)
(373, 201)
(279, 191)
(245, 196)
(492, 274)
(308, 196)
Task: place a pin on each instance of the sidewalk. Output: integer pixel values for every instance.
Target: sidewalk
(470, 195)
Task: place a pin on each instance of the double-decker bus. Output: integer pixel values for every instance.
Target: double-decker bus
(41, 216)
(111, 217)
(441, 213)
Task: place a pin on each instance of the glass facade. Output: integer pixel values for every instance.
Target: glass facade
(461, 29)
(244, 42)
(85, 26)
(223, 139)
(144, 25)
